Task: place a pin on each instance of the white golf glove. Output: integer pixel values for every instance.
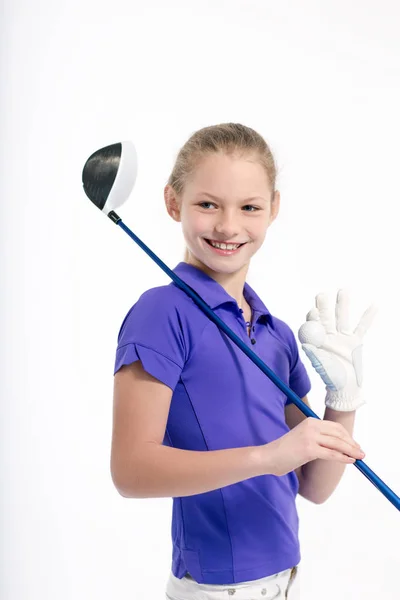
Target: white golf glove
(335, 351)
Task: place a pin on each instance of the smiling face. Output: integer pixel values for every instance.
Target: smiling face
(239, 211)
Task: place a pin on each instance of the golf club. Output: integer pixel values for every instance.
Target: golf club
(108, 178)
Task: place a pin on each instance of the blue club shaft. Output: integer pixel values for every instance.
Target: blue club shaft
(361, 466)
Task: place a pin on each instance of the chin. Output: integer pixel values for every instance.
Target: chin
(220, 266)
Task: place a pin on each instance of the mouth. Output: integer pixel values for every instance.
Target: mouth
(222, 251)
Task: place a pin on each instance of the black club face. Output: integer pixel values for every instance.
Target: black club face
(99, 173)
(109, 175)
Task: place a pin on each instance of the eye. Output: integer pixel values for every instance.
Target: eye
(247, 206)
(251, 206)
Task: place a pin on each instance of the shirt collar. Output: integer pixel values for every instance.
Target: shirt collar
(214, 294)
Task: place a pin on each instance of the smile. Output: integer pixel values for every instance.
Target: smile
(224, 249)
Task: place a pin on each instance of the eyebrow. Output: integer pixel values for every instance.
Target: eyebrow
(216, 197)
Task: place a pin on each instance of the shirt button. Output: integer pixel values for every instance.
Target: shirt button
(253, 341)
(241, 310)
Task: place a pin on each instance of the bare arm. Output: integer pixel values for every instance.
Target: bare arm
(162, 471)
(141, 467)
(319, 478)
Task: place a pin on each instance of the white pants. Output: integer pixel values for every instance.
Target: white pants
(282, 585)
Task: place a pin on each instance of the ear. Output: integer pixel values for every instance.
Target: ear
(275, 205)
(172, 203)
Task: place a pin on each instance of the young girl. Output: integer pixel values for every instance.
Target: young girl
(194, 418)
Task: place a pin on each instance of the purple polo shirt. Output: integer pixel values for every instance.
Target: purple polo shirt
(220, 400)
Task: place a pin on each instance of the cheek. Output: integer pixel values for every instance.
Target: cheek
(196, 224)
(260, 230)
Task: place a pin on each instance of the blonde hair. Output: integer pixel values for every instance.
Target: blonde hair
(230, 138)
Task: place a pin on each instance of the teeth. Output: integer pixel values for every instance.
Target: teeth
(225, 246)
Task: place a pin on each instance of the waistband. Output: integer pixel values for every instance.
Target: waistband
(287, 576)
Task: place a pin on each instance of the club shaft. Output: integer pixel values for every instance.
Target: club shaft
(361, 466)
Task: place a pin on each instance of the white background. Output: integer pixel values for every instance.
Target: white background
(321, 83)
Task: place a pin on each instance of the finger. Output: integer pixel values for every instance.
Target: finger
(332, 455)
(333, 443)
(332, 429)
(312, 332)
(343, 443)
(313, 315)
(342, 311)
(325, 315)
(366, 320)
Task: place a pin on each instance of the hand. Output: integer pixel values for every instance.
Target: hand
(311, 439)
(335, 351)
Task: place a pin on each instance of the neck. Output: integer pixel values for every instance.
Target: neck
(233, 283)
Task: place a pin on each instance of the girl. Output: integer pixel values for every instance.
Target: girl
(194, 418)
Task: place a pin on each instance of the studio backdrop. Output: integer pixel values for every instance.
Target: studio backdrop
(321, 84)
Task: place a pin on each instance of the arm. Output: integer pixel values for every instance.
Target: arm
(141, 467)
(319, 478)
(334, 349)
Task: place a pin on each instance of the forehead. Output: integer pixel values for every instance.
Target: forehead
(221, 174)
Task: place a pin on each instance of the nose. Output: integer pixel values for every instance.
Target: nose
(226, 225)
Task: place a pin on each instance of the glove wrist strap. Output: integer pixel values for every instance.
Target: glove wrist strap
(343, 401)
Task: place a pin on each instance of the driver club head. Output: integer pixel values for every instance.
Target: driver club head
(109, 175)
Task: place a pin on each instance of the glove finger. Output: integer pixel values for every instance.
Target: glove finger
(312, 332)
(366, 321)
(313, 315)
(325, 314)
(342, 311)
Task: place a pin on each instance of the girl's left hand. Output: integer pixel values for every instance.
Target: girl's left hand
(335, 351)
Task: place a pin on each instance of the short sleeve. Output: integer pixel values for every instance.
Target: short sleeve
(151, 332)
(299, 380)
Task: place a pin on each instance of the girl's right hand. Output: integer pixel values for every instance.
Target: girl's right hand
(311, 439)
